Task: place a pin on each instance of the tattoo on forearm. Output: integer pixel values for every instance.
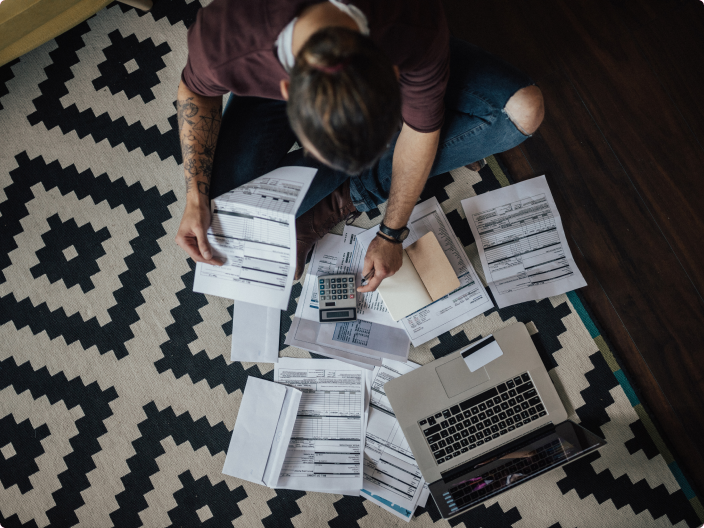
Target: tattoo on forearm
(199, 132)
(185, 110)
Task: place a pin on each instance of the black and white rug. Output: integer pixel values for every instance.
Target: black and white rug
(117, 400)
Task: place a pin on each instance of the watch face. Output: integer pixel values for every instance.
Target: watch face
(404, 235)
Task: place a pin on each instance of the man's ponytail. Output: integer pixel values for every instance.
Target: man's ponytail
(344, 98)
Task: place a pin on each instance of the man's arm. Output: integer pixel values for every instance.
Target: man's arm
(413, 158)
(198, 124)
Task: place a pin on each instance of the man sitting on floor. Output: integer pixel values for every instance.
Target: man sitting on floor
(377, 94)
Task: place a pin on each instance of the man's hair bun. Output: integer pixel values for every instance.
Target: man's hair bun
(344, 98)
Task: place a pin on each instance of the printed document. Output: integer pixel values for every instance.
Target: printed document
(326, 446)
(391, 476)
(468, 301)
(362, 342)
(521, 243)
(253, 230)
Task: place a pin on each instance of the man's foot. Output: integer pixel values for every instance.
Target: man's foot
(477, 165)
(315, 223)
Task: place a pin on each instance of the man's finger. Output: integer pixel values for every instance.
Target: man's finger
(203, 244)
(368, 266)
(205, 250)
(191, 249)
(373, 283)
(190, 246)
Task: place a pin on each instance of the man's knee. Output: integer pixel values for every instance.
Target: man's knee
(526, 109)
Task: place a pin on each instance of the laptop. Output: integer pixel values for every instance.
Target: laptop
(475, 434)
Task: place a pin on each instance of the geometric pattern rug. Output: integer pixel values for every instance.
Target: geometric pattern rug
(117, 395)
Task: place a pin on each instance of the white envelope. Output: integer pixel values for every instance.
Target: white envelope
(255, 333)
(262, 432)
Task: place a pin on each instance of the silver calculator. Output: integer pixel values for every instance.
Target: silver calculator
(337, 298)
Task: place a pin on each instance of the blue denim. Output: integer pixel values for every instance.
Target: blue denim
(255, 136)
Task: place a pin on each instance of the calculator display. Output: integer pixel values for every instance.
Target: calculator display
(337, 298)
(335, 315)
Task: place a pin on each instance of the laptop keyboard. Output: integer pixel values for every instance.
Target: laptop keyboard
(479, 488)
(482, 418)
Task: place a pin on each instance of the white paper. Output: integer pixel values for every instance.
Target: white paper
(255, 333)
(364, 337)
(391, 476)
(253, 229)
(466, 302)
(325, 450)
(423, 501)
(370, 305)
(521, 243)
(362, 342)
(484, 355)
(261, 435)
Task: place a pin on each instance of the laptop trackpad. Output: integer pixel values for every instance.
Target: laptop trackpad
(456, 377)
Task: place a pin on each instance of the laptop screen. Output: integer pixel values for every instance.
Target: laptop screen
(494, 473)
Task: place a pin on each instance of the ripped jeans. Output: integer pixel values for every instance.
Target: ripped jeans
(255, 136)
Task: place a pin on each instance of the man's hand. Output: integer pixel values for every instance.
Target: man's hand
(385, 258)
(191, 234)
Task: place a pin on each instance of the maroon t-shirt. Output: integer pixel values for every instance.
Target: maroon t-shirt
(231, 48)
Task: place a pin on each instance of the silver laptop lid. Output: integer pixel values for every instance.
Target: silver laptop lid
(445, 389)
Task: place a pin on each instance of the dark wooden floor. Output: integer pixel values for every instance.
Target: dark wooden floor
(622, 146)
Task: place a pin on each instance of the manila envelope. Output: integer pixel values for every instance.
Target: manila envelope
(432, 266)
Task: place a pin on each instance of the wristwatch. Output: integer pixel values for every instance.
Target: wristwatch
(396, 236)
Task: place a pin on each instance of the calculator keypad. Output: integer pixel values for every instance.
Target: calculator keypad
(336, 289)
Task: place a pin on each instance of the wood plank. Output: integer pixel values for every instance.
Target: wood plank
(684, 448)
(617, 236)
(500, 27)
(625, 98)
(674, 49)
(648, 306)
(634, 14)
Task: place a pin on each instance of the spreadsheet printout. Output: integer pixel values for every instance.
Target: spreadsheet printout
(521, 243)
(392, 478)
(253, 229)
(370, 306)
(361, 342)
(327, 444)
(461, 305)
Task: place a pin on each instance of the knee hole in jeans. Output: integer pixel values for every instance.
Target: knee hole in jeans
(526, 109)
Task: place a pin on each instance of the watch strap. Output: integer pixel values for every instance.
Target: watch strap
(388, 239)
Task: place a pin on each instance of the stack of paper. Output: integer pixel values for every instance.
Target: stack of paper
(364, 342)
(253, 231)
(327, 425)
(376, 335)
(391, 476)
(315, 430)
(466, 302)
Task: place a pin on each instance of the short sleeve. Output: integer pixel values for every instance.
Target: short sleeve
(423, 87)
(199, 75)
